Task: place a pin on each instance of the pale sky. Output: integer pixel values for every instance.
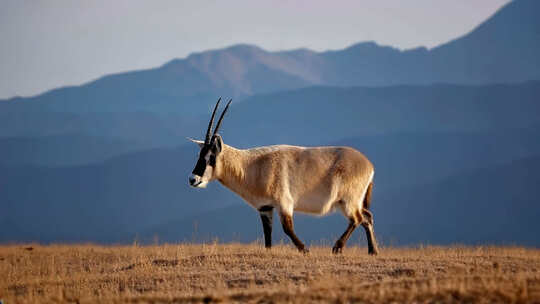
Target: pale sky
(51, 43)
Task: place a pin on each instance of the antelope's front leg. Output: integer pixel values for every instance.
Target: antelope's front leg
(266, 213)
(288, 228)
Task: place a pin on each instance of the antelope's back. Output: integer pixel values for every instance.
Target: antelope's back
(310, 167)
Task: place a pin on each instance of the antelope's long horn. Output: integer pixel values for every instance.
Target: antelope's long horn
(221, 118)
(207, 138)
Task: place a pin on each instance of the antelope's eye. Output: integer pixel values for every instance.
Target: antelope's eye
(212, 160)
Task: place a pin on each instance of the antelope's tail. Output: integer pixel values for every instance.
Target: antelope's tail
(367, 197)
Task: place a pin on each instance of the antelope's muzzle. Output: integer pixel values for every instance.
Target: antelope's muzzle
(195, 181)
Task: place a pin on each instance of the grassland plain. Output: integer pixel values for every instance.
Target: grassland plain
(248, 273)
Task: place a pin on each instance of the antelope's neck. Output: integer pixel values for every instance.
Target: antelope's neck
(231, 168)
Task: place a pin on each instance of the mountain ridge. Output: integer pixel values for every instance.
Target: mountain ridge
(502, 49)
(338, 112)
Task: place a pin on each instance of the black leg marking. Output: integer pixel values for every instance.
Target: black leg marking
(288, 228)
(266, 213)
(266, 208)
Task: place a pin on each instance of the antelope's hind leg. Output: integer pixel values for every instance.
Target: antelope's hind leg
(288, 228)
(340, 243)
(367, 223)
(266, 213)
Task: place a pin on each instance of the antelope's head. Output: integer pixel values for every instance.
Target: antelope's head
(204, 170)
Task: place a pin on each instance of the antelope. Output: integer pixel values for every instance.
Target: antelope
(313, 180)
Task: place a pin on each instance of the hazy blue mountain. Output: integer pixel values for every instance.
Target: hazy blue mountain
(503, 49)
(309, 116)
(186, 86)
(497, 205)
(404, 160)
(51, 139)
(322, 115)
(492, 205)
(61, 150)
(135, 126)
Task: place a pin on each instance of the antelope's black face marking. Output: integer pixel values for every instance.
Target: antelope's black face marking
(210, 149)
(206, 164)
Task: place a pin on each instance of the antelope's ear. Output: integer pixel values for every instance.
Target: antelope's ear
(218, 143)
(198, 142)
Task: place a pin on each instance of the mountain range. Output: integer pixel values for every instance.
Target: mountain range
(503, 49)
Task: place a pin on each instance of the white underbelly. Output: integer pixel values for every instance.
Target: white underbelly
(315, 205)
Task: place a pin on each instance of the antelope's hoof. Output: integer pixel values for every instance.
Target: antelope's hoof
(303, 250)
(373, 252)
(337, 249)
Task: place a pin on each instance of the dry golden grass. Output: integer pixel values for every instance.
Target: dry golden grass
(249, 273)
